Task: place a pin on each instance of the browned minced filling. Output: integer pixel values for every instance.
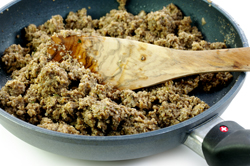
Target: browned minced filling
(68, 98)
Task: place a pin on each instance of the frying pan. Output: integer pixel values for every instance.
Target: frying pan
(191, 132)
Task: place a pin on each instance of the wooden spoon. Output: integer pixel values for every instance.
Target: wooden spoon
(129, 64)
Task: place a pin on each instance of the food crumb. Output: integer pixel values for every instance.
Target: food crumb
(18, 36)
(209, 1)
(203, 21)
(89, 7)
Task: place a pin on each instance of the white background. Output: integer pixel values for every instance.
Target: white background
(16, 152)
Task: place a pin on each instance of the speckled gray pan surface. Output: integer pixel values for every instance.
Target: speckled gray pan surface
(220, 27)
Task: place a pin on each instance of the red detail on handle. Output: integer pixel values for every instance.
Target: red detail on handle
(224, 129)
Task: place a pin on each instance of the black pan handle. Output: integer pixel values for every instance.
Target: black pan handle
(221, 143)
(227, 144)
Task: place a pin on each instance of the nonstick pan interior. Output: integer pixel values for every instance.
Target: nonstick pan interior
(219, 27)
(22, 14)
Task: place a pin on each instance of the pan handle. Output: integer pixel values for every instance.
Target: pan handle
(221, 143)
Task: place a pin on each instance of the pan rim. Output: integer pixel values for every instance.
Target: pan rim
(230, 94)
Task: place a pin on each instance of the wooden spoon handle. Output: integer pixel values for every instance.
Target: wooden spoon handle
(145, 65)
(129, 64)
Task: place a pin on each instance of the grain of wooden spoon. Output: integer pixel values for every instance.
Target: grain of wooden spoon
(129, 64)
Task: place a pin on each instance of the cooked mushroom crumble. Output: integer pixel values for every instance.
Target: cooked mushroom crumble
(69, 98)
